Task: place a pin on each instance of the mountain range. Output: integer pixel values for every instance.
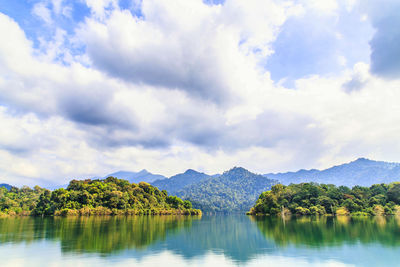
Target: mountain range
(7, 186)
(179, 181)
(136, 177)
(132, 177)
(364, 172)
(234, 191)
(237, 189)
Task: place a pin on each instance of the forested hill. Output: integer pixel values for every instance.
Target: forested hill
(320, 199)
(235, 190)
(7, 186)
(93, 197)
(179, 181)
(362, 172)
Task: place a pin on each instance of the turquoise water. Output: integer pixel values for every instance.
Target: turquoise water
(220, 240)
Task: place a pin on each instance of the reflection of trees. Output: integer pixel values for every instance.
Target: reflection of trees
(330, 231)
(234, 236)
(94, 234)
(239, 238)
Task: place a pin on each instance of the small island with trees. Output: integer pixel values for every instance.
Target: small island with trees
(323, 199)
(110, 196)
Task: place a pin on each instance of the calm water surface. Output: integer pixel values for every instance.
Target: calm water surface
(221, 240)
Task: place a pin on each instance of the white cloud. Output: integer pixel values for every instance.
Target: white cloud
(184, 86)
(186, 45)
(43, 12)
(326, 6)
(101, 8)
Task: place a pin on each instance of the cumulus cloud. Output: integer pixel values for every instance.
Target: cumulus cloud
(318, 40)
(184, 45)
(359, 78)
(184, 84)
(43, 12)
(385, 56)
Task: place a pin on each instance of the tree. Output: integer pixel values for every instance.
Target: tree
(394, 192)
(187, 204)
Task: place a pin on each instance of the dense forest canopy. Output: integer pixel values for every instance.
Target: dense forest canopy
(93, 197)
(235, 190)
(319, 199)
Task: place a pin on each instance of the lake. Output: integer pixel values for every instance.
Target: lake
(218, 240)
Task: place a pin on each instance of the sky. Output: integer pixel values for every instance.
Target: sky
(89, 87)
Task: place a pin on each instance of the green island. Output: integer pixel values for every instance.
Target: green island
(94, 234)
(328, 199)
(110, 196)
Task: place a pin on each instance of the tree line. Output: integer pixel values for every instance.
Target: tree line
(110, 196)
(320, 199)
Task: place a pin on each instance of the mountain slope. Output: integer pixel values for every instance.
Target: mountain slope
(136, 177)
(179, 181)
(7, 186)
(362, 171)
(235, 190)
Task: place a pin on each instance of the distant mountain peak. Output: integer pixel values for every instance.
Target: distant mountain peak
(362, 171)
(135, 177)
(363, 160)
(179, 181)
(235, 190)
(190, 171)
(7, 186)
(236, 170)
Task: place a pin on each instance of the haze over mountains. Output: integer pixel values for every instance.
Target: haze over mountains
(364, 172)
(238, 188)
(179, 181)
(7, 186)
(136, 177)
(234, 191)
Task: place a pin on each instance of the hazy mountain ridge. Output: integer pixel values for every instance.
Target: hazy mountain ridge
(179, 181)
(136, 177)
(7, 186)
(235, 190)
(362, 171)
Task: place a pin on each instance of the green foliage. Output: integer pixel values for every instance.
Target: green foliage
(234, 191)
(320, 199)
(393, 193)
(174, 201)
(20, 201)
(187, 204)
(111, 196)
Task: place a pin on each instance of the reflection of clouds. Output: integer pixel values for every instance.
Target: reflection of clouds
(211, 241)
(166, 258)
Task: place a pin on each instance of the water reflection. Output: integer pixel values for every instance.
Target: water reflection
(239, 239)
(234, 236)
(102, 235)
(329, 231)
